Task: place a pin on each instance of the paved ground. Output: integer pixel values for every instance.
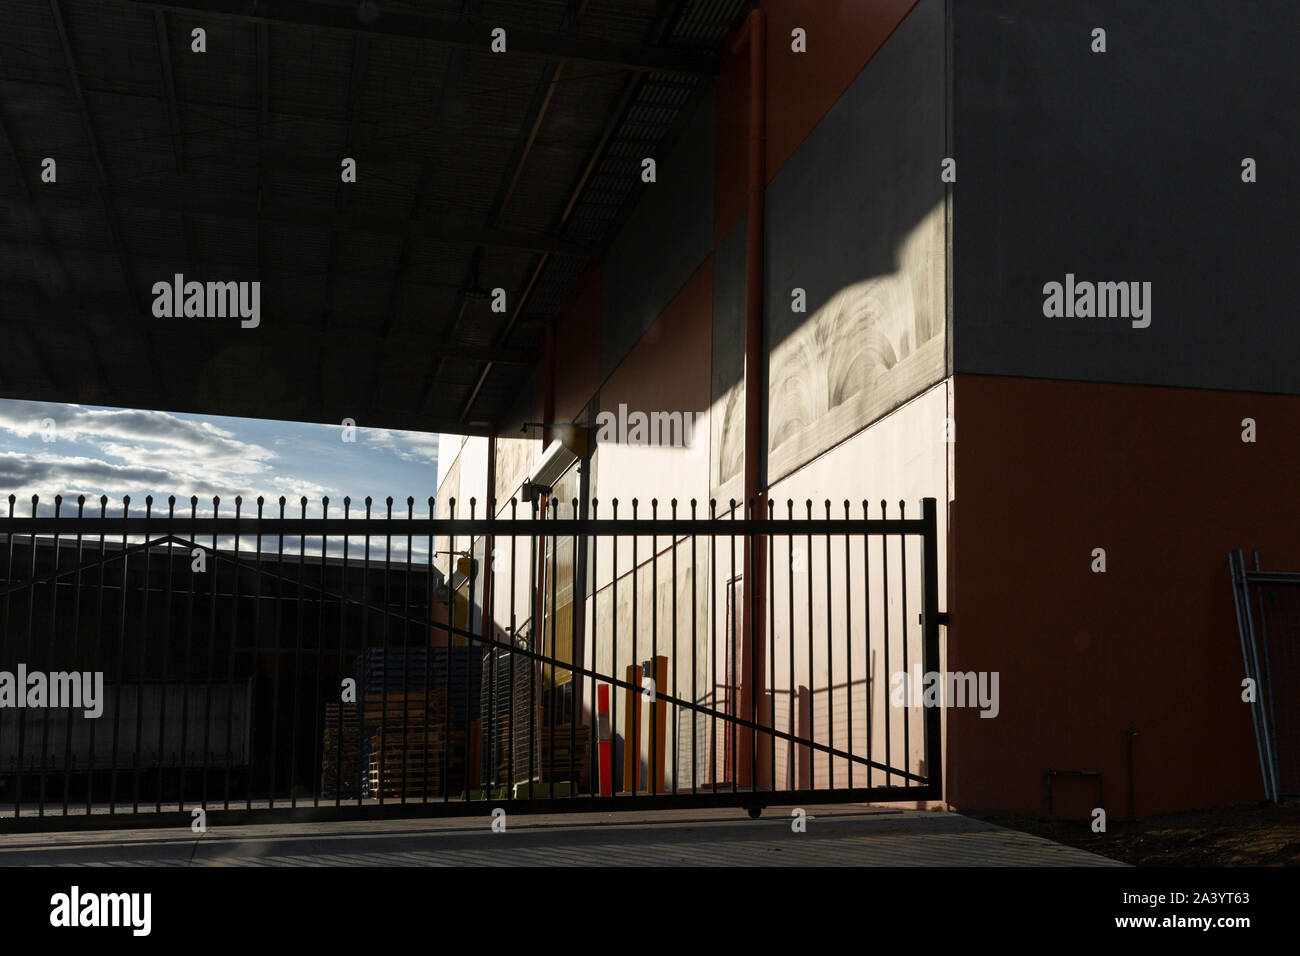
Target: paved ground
(836, 835)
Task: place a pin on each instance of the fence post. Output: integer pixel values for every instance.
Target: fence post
(930, 649)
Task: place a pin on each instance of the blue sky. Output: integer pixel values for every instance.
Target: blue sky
(134, 452)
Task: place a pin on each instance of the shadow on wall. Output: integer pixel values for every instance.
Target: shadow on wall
(872, 346)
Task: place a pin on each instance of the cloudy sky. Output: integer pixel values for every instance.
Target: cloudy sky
(49, 449)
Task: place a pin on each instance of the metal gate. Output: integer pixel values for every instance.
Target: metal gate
(374, 663)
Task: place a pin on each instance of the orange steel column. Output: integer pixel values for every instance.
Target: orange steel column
(752, 672)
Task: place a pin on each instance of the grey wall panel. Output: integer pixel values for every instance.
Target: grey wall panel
(1126, 166)
(668, 236)
(856, 219)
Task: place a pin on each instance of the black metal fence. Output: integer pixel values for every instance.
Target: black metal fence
(269, 665)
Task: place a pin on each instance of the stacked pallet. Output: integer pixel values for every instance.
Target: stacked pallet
(407, 742)
(419, 707)
(455, 671)
(580, 751)
(416, 771)
(340, 751)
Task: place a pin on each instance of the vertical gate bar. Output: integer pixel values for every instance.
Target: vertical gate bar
(297, 658)
(652, 763)
(426, 641)
(189, 654)
(866, 629)
(677, 709)
(97, 645)
(277, 650)
(512, 732)
(363, 694)
(534, 663)
(255, 653)
(830, 658)
(593, 755)
(317, 702)
(230, 675)
(31, 609)
(121, 661)
(812, 679)
(383, 654)
(752, 573)
(166, 650)
(76, 652)
(733, 671)
(884, 605)
(930, 572)
(469, 650)
(635, 700)
(406, 651)
(713, 640)
(213, 583)
(549, 701)
(614, 778)
(771, 644)
(794, 691)
(278, 625)
(848, 641)
(9, 585)
(489, 734)
(446, 677)
(695, 668)
(52, 658)
(573, 655)
(22, 713)
(356, 716)
(143, 661)
(363, 766)
(903, 628)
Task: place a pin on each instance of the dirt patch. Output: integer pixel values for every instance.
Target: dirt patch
(1252, 835)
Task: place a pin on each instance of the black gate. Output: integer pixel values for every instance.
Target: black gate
(267, 666)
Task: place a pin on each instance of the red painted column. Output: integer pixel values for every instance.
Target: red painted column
(751, 668)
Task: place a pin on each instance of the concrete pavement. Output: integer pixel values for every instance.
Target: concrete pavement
(848, 835)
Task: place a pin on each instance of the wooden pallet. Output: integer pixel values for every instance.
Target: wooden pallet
(581, 753)
(420, 779)
(340, 753)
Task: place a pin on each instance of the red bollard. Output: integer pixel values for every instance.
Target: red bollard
(602, 736)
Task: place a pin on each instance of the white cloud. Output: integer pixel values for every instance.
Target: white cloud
(419, 447)
(119, 452)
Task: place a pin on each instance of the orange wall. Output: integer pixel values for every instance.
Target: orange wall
(1046, 471)
(667, 371)
(577, 345)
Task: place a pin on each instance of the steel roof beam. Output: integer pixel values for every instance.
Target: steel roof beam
(472, 36)
(114, 227)
(161, 197)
